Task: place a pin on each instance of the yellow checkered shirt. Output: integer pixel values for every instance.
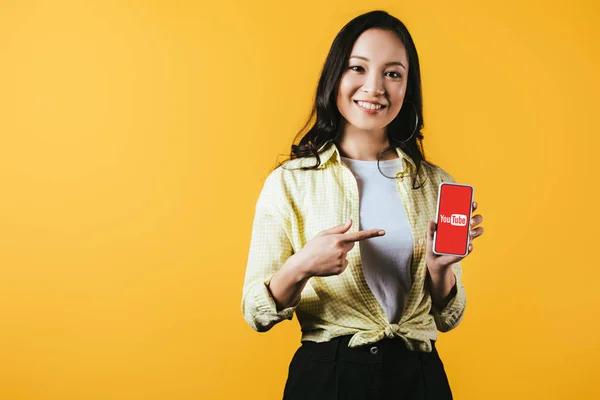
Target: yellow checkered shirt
(293, 206)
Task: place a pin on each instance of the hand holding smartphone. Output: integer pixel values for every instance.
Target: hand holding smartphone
(454, 209)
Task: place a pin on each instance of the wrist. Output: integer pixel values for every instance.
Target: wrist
(442, 286)
(438, 270)
(298, 269)
(441, 276)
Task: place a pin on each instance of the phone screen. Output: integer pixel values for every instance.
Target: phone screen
(453, 216)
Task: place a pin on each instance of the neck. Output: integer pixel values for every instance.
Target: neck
(358, 144)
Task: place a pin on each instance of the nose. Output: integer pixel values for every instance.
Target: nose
(374, 84)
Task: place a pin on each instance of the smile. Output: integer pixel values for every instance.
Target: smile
(369, 107)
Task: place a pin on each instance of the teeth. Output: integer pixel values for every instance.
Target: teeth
(370, 106)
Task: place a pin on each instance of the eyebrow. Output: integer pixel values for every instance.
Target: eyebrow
(388, 63)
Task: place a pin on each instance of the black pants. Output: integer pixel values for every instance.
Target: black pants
(383, 370)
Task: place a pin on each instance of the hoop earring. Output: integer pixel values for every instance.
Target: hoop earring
(416, 123)
(403, 141)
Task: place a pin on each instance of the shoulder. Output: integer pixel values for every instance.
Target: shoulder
(294, 172)
(287, 172)
(273, 184)
(283, 184)
(436, 173)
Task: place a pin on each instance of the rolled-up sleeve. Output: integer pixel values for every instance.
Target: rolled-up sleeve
(450, 316)
(270, 248)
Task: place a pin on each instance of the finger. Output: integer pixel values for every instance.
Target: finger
(338, 229)
(362, 235)
(470, 248)
(476, 220)
(475, 205)
(347, 246)
(476, 232)
(343, 267)
(430, 230)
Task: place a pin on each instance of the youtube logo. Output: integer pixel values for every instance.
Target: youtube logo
(454, 219)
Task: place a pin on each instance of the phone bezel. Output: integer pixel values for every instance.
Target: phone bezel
(437, 215)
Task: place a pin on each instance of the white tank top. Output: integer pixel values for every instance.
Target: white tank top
(386, 260)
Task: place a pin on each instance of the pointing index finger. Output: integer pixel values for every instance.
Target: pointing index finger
(362, 235)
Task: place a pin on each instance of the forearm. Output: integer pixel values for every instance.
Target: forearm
(442, 287)
(287, 284)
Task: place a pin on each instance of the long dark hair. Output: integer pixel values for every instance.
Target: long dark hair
(323, 123)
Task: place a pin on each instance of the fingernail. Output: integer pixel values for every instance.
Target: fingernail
(381, 233)
(472, 233)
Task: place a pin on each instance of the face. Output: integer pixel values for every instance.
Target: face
(372, 88)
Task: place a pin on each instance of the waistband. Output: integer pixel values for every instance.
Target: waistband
(337, 349)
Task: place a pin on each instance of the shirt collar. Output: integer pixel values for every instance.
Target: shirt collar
(330, 151)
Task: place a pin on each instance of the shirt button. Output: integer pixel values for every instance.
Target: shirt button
(421, 241)
(374, 350)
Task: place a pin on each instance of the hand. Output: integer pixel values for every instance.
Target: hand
(437, 263)
(325, 254)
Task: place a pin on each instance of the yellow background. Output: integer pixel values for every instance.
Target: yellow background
(135, 138)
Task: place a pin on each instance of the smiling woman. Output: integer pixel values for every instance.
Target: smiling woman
(369, 313)
(371, 70)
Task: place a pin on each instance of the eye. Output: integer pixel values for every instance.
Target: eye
(356, 68)
(393, 74)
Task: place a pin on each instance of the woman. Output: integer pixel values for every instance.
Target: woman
(370, 313)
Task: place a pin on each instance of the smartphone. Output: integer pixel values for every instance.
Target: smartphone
(454, 208)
